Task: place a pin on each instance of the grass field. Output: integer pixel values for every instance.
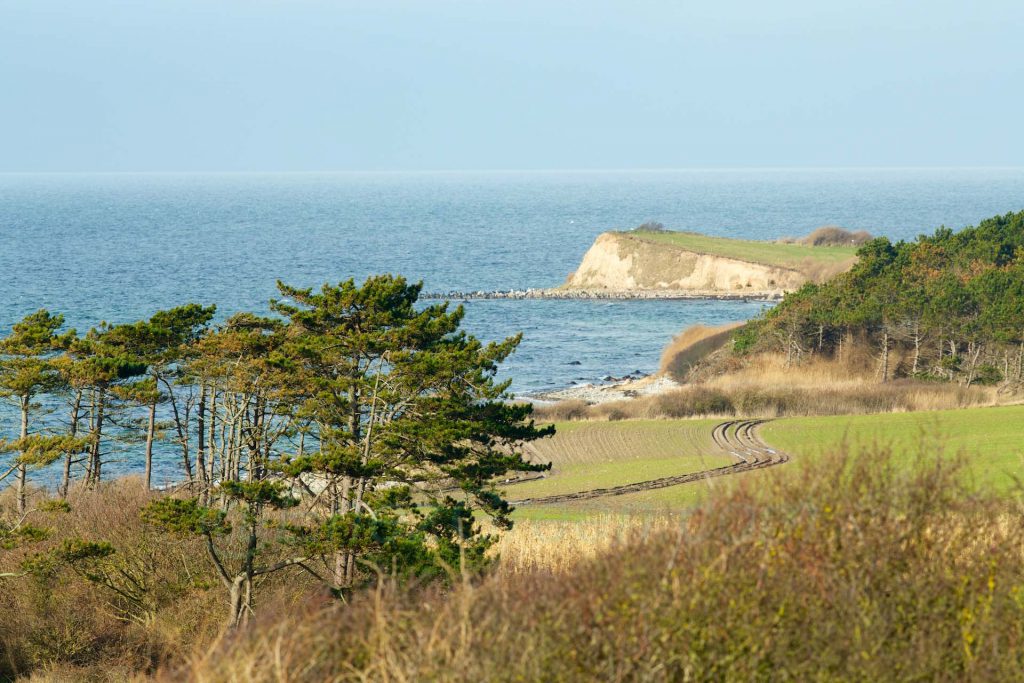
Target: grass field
(769, 253)
(589, 455)
(990, 438)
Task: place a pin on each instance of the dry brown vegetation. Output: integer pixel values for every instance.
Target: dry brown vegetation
(855, 570)
(559, 546)
(821, 271)
(61, 626)
(860, 568)
(691, 346)
(766, 386)
(830, 236)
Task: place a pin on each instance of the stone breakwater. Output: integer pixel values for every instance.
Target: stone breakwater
(559, 293)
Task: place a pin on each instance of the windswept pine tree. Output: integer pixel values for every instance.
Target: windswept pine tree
(386, 416)
(378, 413)
(100, 365)
(26, 371)
(163, 343)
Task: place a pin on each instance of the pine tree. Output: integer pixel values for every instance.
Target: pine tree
(27, 370)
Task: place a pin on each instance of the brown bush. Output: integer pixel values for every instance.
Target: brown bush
(561, 411)
(61, 626)
(854, 570)
(830, 236)
(691, 346)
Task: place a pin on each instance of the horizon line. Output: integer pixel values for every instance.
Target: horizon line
(677, 169)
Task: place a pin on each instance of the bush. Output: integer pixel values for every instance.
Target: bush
(58, 620)
(693, 401)
(855, 569)
(988, 375)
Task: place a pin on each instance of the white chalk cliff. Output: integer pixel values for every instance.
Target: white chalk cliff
(622, 262)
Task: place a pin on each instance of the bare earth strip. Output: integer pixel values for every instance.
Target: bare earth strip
(738, 438)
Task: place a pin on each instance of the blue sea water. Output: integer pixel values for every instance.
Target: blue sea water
(118, 247)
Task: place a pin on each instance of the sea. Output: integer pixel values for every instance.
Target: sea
(118, 247)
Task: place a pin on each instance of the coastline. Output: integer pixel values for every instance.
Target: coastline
(619, 389)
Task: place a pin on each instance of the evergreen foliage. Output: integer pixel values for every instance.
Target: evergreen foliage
(952, 303)
(351, 432)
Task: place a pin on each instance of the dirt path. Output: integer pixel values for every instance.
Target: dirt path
(738, 438)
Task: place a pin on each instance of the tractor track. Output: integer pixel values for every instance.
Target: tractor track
(738, 438)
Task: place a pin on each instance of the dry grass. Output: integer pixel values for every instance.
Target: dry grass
(764, 386)
(62, 627)
(691, 346)
(830, 236)
(826, 387)
(71, 629)
(559, 546)
(823, 271)
(857, 570)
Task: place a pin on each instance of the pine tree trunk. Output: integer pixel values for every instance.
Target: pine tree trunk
(94, 455)
(241, 589)
(917, 348)
(76, 407)
(201, 437)
(213, 436)
(885, 356)
(22, 466)
(974, 350)
(181, 424)
(150, 435)
(236, 597)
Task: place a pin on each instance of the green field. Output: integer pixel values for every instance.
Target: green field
(768, 253)
(992, 439)
(589, 455)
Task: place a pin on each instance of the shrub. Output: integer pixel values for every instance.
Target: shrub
(697, 400)
(988, 375)
(857, 569)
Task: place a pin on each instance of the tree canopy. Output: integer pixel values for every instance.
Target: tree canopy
(350, 431)
(952, 303)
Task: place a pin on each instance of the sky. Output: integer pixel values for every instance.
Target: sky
(322, 85)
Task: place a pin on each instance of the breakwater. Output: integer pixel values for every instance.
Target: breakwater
(559, 293)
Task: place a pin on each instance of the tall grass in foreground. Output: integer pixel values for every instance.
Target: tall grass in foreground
(858, 569)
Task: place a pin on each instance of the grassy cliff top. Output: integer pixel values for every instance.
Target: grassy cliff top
(776, 254)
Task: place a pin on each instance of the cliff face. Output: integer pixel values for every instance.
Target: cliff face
(621, 262)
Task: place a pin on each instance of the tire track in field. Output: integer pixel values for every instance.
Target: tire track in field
(738, 438)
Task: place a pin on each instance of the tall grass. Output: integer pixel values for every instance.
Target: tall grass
(856, 570)
(560, 546)
(766, 386)
(691, 346)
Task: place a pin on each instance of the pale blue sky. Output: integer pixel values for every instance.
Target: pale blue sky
(292, 85)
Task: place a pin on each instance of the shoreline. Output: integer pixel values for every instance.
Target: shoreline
(606, 294)
(619, 389)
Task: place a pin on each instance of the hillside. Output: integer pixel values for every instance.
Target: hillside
(947, 306)
(700, 264)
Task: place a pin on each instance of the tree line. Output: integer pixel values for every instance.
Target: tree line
(347, 431)
(951, 304)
